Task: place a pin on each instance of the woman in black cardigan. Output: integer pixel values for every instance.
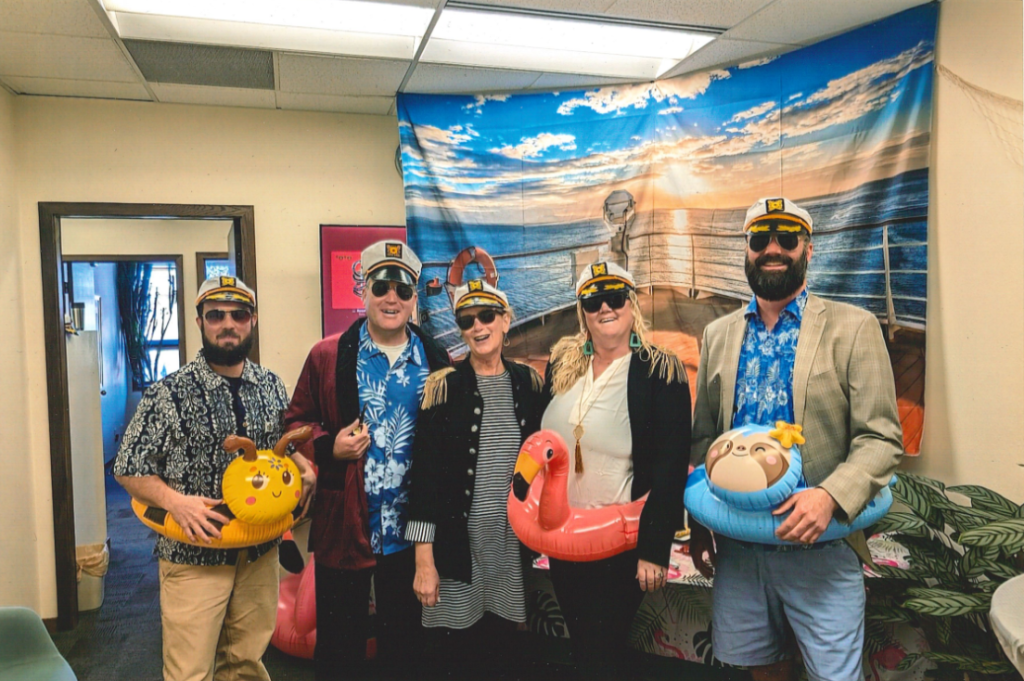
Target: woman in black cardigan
(623, 408)
(472, 421)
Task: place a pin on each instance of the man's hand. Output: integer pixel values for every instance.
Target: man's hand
(308, 476)
(812, 512)
(701, 542)
(426, 584)
(650, 576)
(351, 442)
(195, 515)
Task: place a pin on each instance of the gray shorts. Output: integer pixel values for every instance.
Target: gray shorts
(818, 591)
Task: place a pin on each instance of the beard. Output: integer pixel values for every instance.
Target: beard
(773, 286)
(227, 357)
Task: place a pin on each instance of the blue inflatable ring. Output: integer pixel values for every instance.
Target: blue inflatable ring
(747, 515)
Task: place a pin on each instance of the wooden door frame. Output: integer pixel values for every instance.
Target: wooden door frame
(50, 216)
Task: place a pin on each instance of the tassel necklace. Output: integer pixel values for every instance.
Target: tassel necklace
(578, 431)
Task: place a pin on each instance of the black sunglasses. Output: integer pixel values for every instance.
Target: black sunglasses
(787, 241)
(380, 289)
(615, 301)
(486, 316)
(217, 316)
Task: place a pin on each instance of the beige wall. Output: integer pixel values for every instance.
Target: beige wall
(302, 169)
(153, 237)
(20, 468)
(974, 389)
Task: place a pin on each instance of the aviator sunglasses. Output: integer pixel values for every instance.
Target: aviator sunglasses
(486, 316)
(615, 301)
(380, 289)
(217, 316)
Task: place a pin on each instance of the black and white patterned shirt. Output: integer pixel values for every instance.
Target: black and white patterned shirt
(178, 432)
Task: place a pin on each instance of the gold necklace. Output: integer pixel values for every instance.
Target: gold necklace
(578, 431)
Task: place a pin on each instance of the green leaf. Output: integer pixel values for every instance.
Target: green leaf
(964, 518)
(944, 603)
(917, 497)
(888, 613)
(1001, 533)
(933, 557)
(907, 662)
(987, 500)
(971, 664)
(890, 572)
(943, 628)
(975, 559)
(1001, 571)
(930, 482)
(904, 523)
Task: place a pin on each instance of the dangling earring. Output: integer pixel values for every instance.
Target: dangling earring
(506, 342)
(634, 340)
(588, 348)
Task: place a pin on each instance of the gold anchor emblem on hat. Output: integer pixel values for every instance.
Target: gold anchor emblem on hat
(476, 285)
(393, 250)
(600, 269)
(773, 205)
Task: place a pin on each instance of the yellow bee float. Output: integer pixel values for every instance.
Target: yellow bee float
(261, 490)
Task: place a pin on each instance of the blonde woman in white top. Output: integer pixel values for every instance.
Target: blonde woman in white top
(623, 407)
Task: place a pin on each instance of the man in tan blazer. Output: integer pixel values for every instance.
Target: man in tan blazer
(792, 356)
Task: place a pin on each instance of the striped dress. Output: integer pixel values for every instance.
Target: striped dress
(497, 585)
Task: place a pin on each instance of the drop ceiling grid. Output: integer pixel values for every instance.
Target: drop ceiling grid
(58, 56)
(306, 74)
(55, 17)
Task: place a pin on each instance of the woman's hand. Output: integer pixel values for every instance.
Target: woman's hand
(308, 476)
(650, 576)
(426, 582)
(426, 585)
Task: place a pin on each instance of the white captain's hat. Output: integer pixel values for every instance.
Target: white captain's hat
(478, 293)
(778, 214)
(226, 289)
(603, 277)
(390, 261)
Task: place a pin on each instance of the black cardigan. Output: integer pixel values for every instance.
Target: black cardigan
(445, 449)
(659, 423)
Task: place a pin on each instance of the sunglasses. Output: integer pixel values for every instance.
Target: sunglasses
(217, 316)
(615, 301)
(486, 316)
(787, 241)
(380, 289)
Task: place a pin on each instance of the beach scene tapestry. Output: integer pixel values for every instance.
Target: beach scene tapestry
(528, 189)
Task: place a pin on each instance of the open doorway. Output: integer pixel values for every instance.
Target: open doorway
(80, 249)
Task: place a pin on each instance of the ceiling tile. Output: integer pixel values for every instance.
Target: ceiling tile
(58, 56)
(340, 76)
(77, 88)
(216, 96)
(436, 78)
(62, 17)
(358, 105)
(571, 6)
(805, 22)
(726, 52)
(714, 13)
(567, 81)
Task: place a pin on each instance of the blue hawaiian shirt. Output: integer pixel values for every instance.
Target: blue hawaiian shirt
(391, 396)
(764, 380)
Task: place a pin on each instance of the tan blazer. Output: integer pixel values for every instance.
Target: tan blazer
(844, 396)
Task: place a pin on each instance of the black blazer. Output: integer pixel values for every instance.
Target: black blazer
(445, 450)
(659, 423)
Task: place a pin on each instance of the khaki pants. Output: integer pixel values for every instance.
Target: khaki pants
(217, 621)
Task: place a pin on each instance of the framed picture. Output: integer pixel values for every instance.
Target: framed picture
(341, 278)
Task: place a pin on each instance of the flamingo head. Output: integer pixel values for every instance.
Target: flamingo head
(538, 451)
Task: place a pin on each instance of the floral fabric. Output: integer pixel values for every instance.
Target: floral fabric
(764, 379)
(390, 395)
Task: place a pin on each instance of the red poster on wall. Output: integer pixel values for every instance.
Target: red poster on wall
(341, 283)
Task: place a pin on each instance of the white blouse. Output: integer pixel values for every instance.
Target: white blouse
(606, 445)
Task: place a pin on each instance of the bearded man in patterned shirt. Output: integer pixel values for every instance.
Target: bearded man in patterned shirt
(360, 392)
(791, 356)
(218, 607)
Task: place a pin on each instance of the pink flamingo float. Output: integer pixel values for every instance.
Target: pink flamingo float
(540, 515)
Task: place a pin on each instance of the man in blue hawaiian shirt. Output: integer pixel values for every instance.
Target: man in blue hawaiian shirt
(360, 392)
(791, 356)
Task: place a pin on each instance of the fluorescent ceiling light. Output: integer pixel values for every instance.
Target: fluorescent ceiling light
(344, 27)
(332, 15)
(513, 40)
